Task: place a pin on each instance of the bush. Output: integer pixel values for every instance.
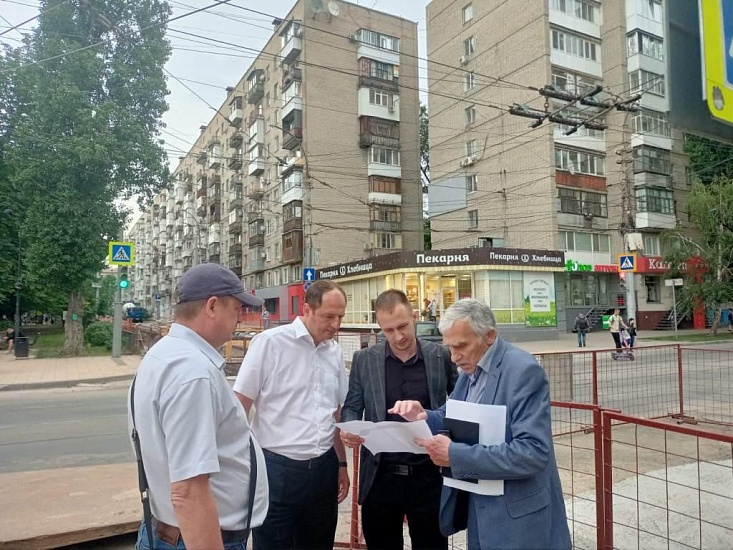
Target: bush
(99, 335)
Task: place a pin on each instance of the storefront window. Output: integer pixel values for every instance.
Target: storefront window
(412, 289)
(652, 290)
(506, 289)
(587, 290)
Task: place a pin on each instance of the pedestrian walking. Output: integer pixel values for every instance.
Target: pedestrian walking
(615, 324)
(632, 332)
(582, 326)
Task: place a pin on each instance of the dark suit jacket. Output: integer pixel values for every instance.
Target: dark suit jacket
(531, 513)
(366, 398)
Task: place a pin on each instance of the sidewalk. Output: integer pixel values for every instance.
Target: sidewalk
(26, 374)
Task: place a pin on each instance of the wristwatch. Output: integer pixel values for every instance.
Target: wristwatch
(343, 464)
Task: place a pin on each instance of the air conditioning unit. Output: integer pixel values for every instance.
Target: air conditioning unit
(463, 60)
(474, 158)
(368, 246)
(468, 161)
(262, 181)
(390, 108)
(353, 38)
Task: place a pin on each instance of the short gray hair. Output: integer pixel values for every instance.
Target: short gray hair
(478, 315)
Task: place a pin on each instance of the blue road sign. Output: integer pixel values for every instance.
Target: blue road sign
(727, 15)
(121, 253)
(307, 285)
(627, 262)
(157, 297)
(309, 274)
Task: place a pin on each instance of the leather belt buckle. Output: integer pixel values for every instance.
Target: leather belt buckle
(400, 469)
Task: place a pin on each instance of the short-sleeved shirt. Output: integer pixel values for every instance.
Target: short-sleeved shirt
(614, 323)
(296, 388)
(190, 423)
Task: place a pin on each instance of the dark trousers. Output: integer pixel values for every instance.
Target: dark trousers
(616, 339)
(393, 496)
(303, 508)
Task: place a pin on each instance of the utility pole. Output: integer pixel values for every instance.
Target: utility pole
(628, 222)
(117, 324)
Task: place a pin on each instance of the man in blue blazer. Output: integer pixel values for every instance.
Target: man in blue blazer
(531, 512)
(395, 485)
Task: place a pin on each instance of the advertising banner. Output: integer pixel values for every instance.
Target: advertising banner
(540, 309)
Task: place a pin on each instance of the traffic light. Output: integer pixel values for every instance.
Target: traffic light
(122, 280)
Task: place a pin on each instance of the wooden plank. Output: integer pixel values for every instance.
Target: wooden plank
(52, 508)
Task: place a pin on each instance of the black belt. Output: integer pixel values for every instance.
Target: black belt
(307, 464)
(170, 534)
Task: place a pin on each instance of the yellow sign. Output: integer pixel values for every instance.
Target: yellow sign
(717, 46)
(627, 262)
(121, 253)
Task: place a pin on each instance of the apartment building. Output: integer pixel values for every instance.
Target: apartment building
(498, 182)
(312, 160)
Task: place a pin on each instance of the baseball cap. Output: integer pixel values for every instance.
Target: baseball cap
(206, 280)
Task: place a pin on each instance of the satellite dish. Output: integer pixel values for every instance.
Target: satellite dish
(316, 6)
(333, 8)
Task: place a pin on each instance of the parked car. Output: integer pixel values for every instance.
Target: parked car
(426, 330)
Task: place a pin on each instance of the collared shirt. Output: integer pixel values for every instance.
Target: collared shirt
(190, 423)
(479, 378)
(296, 387)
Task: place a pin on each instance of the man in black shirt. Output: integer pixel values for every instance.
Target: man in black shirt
(10, 338)
(395, 485)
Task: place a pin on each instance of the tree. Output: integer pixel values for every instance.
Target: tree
(709, 159)
(709, 257)
(91, 92)
(425, 172)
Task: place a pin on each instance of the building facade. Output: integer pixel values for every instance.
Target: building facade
(312, 159)
(591, 193)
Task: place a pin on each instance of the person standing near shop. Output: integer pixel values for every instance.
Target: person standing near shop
(582, 326)
(615, 324)
(295, 377)
(393, 486)
(433, 309)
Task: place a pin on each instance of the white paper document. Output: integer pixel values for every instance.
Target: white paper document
(389, 437)
(492, 431)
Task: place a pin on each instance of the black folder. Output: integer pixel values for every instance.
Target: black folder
(460, 431)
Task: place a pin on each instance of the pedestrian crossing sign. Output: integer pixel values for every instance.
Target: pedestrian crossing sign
(121, 253)
(627, 262)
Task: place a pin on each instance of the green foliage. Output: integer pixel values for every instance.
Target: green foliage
(709, 257)
(709, 159)
(80, 117)
(424, 147)
(99, 334)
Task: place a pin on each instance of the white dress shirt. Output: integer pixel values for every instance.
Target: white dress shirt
(296, 387)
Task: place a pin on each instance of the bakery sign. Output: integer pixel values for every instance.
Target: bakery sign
(447, 258)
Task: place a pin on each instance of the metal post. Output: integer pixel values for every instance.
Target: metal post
(117, 325)
(18, 287)
(674, 308)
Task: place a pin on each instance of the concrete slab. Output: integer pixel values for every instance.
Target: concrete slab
(52, 508)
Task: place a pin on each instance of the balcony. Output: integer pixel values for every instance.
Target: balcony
(291, 163)
(235, 201)
(235, 111)
(293, 224)
(385, 226)
(257, 239)
(235, 249)
(254, 214)
(215, 216)
(292, 43)
(655, 220)
(292, 136)
(367, 81)
(257, 263)
(236, 269)
(293, 104)
(214, 156)
(256, 165)
(256, 189)
(201, 157)
(214, 258)
(235, 161)
(293, 74)
(292, 247)
(256, 90)
(235, 140)
(377, 131)
(235, 227)
(201, 192)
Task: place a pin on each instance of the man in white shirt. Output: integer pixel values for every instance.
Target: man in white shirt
(296, 378)
(194, 436)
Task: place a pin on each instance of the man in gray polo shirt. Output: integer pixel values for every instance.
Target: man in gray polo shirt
(193, 432)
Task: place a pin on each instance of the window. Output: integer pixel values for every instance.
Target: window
(572, 82)
(386, 240)
(381, 41)
(506, 296)
(588, 242)
(579, 162)
(471, 183)
(575, 201)
(471, 147)
(644, 81)
(291, 91)
(293, 180)
(582, 131)
(293, 30)
(469, 46)
(277, 251)
(473, 219)
(575, 8)
(467, 13)
(652, 245)
(386, 213)
(650, 122)
(382, 155)
(383, 185)
(378, 97)
(652, 9)
(653, 285)
(383, 71)
(469, 81)
(572, 44)
(645, 44)
(650, 159)
(470, 115)
(653, 199)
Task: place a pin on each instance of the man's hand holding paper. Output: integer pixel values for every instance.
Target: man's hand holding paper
(387, 437)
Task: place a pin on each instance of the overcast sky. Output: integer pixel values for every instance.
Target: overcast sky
(210, 68)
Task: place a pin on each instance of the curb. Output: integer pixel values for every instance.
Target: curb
(64, 383)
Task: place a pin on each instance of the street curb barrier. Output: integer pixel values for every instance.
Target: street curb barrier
(65, 383)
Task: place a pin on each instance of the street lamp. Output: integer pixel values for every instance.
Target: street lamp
(18, 284)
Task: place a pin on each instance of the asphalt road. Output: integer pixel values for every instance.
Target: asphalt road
(65, 427)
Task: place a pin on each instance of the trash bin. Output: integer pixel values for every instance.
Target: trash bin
(21, 346)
